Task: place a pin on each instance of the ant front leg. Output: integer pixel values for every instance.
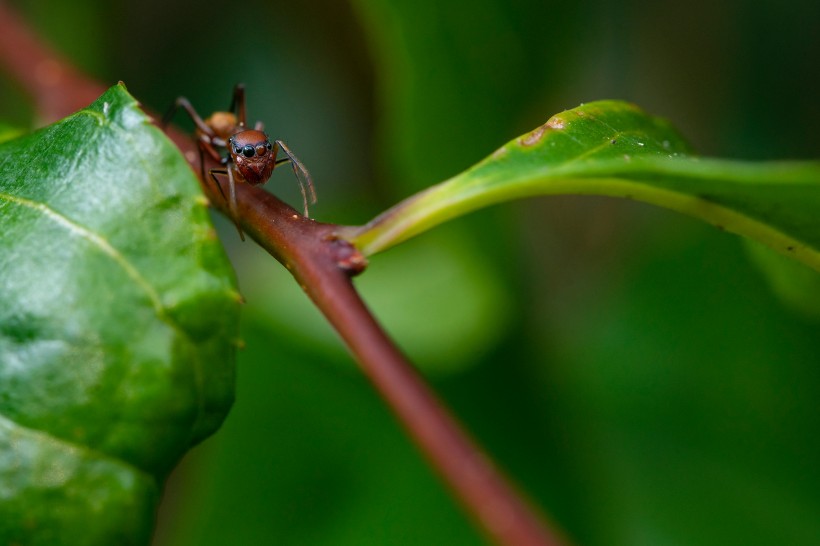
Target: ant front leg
(302, 174)
(206, 145)
(232, 207)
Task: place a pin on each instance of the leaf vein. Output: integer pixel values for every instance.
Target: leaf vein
(95, 239)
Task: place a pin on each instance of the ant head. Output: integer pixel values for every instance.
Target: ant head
(249, 145)
(251, 152)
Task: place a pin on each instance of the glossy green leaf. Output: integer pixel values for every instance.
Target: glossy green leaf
(118, 320)
(614, 149)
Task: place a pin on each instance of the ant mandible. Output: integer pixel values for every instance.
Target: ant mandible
(251, 157)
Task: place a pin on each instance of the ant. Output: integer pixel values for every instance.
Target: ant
(251, 157)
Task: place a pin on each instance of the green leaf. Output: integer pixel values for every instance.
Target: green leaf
(7, 132)
(426, 81)
(118, 321)
(614, 149)
(795, 285)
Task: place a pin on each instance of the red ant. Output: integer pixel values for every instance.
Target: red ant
(251, 156)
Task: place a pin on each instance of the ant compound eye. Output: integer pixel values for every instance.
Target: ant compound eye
(248, 150)
(261, 149)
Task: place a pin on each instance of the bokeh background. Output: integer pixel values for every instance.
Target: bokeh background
(629, 367)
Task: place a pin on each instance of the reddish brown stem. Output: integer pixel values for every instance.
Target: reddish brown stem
(58, 89)
(311, 252)
(322, 265)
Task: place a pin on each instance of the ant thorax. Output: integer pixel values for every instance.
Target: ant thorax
(223, 124)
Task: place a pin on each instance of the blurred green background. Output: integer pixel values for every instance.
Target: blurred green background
(629, 367)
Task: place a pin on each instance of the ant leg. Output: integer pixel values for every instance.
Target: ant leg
(232, 203)
(205, 145)
(169, 114)
(183, 103)
(202, 167)
(298, 169)
(213, 173)
(232, 192)
(238, 103)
